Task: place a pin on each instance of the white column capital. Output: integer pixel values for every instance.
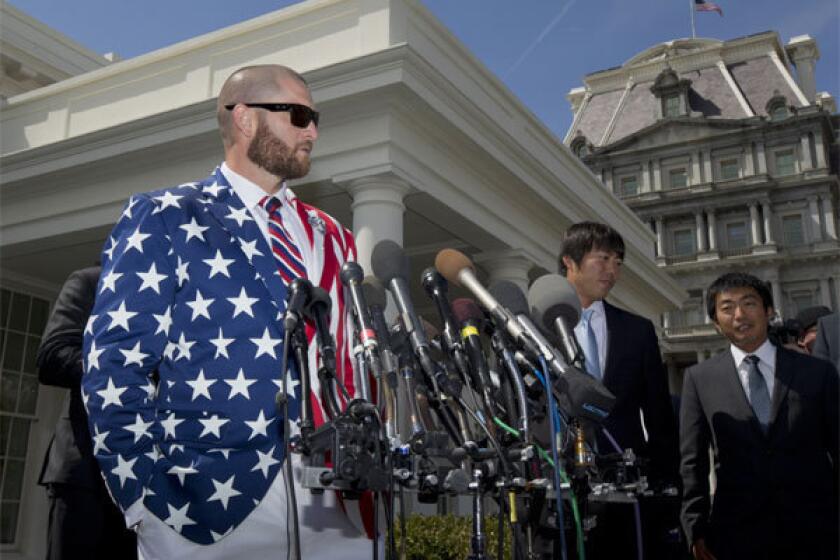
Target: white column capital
(381, 189)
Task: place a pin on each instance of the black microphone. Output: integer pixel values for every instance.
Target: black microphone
(390, 264)
(300, 292)
(351, 277)
(318, 311)
(471, 320)
(374, 295)
(555, 305)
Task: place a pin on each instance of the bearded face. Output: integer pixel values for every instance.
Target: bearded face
(275, 156)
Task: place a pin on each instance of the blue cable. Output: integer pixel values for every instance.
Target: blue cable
(555, 429)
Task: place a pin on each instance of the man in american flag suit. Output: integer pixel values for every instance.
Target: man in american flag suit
(183, 348)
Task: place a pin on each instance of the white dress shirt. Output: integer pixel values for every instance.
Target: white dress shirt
(767, 366)
(599, 327)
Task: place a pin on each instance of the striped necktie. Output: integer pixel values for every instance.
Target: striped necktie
(289, 262)
(758, 396)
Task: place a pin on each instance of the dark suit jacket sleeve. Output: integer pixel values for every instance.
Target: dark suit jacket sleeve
(694, 446)
(660, 422)
(60, 354)
(828, 334)
(832, 416)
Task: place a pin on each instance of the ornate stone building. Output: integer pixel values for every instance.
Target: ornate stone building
(730, 160)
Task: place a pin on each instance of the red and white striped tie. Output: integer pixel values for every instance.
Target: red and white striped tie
(289, 261)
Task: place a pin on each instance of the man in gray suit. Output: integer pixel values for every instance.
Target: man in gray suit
(827, 344)
(770, 415)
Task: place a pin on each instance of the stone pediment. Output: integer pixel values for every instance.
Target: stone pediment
(674, 131)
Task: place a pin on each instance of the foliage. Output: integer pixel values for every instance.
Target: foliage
(447, 537)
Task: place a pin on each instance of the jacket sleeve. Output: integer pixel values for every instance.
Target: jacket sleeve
(60, 354)
(821, 344)
(124, 346)
(660, 420)
(695, 436)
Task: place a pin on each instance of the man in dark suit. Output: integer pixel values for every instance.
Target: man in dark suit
(827, 343)
(84, 522)
(621, 349)
(771, 416)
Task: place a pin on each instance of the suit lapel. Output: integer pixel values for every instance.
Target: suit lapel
(732, 385)
(612, 337)
(784, 375)
(230, 212)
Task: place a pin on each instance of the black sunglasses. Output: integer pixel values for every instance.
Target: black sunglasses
(299, 115)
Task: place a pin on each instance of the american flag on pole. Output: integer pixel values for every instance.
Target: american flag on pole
(704, 6)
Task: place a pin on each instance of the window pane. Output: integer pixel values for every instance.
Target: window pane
(13, 479)
(8, 522)
(683, 242)
(28, 394)
(18, 438)
(729, 169)
(629, 186)
(672, 105)
(2, 341)
(778, 113)
(5, 300)
(13, 357)
(5, 426)
(792, 230)
(8, 391)
(31, 354)
(785, 163)
(39, 315)
(678, 178)
(20, 312)
(736, 235)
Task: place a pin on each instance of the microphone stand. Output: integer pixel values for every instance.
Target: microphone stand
(282, 404)
(299, 347)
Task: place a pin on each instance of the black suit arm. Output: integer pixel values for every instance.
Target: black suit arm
(694, 468)
(60, 354)
(660, 421)
(826, 329)
(830, 392)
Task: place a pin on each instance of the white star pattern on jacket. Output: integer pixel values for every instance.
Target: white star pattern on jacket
(190, 290)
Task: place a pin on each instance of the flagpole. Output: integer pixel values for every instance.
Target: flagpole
(691, 11)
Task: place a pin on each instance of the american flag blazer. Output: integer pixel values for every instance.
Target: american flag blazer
(190, 290)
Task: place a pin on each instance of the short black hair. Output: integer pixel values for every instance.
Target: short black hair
(583, 237)
(732, 280)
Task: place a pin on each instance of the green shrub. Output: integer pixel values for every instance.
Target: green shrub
(446, 537)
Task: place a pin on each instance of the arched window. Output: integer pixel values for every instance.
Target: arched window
(777, 107)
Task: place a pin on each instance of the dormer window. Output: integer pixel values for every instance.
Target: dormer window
(672, 93)
(777, 108)
(580, 146)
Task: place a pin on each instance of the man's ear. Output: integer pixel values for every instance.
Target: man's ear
(244, 121)
(569, 263)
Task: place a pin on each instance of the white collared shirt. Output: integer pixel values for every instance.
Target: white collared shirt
(250, 194)
(766, 365)
(599, 327)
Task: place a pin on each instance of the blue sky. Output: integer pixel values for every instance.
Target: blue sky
(539, 48)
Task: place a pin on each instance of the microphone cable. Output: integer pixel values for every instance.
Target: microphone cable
(282, 399)
(554, 423)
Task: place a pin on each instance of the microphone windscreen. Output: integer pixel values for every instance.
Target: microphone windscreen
(374, 293)
(389, 261)
(465, 309)
(450, 262)
(351, 272)
(510, 295)
(552, 296)
(319, 296)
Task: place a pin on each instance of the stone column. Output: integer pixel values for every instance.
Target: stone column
(512, 265)
(708, 176)
(828, 217)
(646, 178)
(700, 234)
(659, 237)
(696, 178)
(756, 232)
(749, 162)
(706, 318)
(761, 157)
(377, 213)
(816, 230)
(825, 293)
(768, 225)
(710, 216)
(805, 152)
(666, 320)
(657, 176)
(778, 297)
(608, 179)
(819, 149)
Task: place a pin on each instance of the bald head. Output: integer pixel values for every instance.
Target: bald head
(251, 84)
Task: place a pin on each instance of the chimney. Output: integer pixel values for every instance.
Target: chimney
(803, 52)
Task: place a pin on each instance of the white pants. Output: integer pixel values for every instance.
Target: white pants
(326, 533)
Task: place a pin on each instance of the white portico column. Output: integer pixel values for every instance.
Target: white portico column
(660, 252)
(814, 207)
(700, 234)
(768, 225)
(710, 217)
(512, 265)
(778, 297)
(377, 213)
